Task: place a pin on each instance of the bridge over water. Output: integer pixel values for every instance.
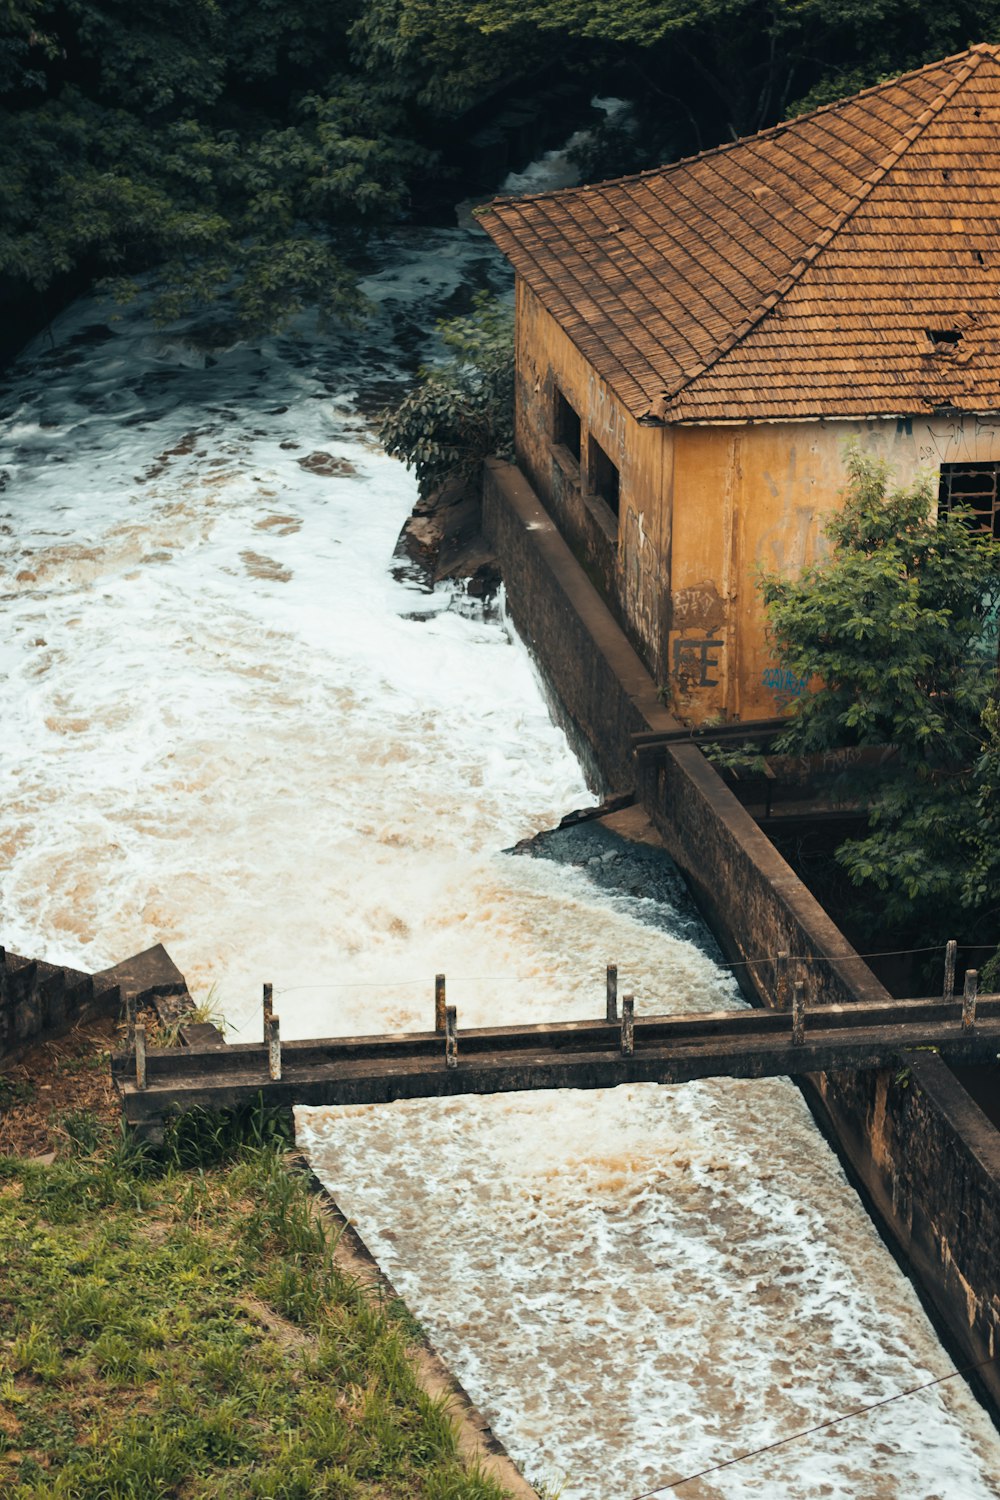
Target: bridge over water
(158, 1083)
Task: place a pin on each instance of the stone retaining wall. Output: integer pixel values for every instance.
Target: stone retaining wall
(927, 1156)
(39, 999)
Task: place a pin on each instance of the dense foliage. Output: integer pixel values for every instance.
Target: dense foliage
(222, 141)
(897, 629)
(702, 71)
(250, 144)
(463, 408)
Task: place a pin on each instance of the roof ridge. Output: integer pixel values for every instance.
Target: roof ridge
(657, 410)
(503, 199)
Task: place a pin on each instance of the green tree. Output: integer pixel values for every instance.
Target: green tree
(896, 627)
(462, 410)
(703, 71)
(230, 144)
(439, 54)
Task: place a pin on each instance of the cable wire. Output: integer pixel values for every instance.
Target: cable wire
(675, 1484)
(738, 963)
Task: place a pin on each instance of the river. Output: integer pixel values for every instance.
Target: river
(228, 726)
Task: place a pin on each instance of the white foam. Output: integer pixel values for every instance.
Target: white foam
(557, 169)
(637, 1284)
(223, 730)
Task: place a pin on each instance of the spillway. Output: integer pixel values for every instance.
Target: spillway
(229, 726)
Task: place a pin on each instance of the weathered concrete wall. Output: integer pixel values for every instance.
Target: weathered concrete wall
(757, 907)
(702, 509)
(39, 999)
(929, 1160)
(751, 497)
(603, 688)
(631, 558)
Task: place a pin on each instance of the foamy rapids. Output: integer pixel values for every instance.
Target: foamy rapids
(228, 727)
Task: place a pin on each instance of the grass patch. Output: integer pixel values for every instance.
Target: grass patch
(178, 1327)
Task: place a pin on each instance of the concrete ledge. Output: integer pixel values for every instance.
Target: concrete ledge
(39, 999)
(927, 1156)
(613, 696)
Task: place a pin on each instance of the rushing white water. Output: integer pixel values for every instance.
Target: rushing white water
(228, 727)
(557, 168)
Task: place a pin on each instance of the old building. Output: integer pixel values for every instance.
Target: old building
(696, 346)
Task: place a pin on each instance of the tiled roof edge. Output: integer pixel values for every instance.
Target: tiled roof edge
(658, 410)
(503, 199)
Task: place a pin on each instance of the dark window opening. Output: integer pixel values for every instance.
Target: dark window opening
(973, 486)
(943, 337)
(567, 426)
(604, 477)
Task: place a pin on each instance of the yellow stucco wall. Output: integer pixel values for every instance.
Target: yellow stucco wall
(703, 509)
(546, 358)
(752, 497)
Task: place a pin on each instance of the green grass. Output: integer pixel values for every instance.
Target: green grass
(178, 1327)
(205, 1012)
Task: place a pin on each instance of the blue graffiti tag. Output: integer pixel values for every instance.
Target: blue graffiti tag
(783, 684)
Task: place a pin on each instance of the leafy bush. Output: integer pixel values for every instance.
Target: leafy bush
(896, 627)
(462, 410)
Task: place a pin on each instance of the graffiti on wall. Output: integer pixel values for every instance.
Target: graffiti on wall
(694, 661)
(964, 438)
(783, 685)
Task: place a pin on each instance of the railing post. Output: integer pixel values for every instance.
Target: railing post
(440, 1004)
(130, 1022)
(628, 1025)
(969, 999)
(451, 1038)
(781, 980)
(140, 1055)
(950, 954)
(798, 1013)
(611, 1013)
(272, 1037)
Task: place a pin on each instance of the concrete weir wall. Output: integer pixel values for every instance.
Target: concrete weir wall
(922, 1149)
(39, 1001)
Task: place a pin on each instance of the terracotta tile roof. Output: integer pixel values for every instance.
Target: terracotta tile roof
(809, 270)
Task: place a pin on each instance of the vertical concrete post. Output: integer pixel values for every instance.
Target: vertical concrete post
(798, 1013)
(969, 999)
(950, 954)
(272, 1037)
(268, 1006)
(628, 1025)
(451, 1038)
(440, 1004)
(611, 1013)
(781, 980)
(140, 1055)
(130, 1022)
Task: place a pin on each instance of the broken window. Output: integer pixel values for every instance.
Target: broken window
(603, 475)
(975, 487)
(567, 426)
